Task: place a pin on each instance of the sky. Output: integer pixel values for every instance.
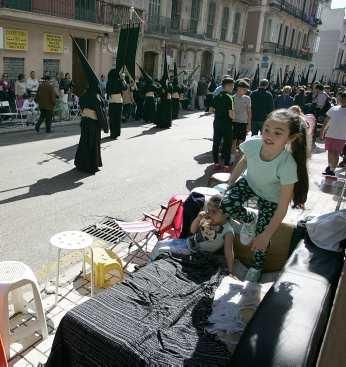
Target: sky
(338, 4)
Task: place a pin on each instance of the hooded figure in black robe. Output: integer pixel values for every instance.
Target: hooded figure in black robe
(115, 85)
(211, 88)
(164, 106)
(88, 155)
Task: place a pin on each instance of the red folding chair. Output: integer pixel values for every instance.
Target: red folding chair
(164, 222)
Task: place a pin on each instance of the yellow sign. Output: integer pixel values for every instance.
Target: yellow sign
(16, 40)
(53, 43)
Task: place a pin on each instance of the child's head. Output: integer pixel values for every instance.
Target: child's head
(214, 212)
(242, 87)
(296, 109)
(284, 127)
(228, 84)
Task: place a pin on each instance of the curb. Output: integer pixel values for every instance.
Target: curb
(21, 129)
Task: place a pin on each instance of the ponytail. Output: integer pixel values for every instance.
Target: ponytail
(299, 153)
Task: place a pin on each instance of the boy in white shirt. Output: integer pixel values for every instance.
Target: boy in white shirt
(334, 133)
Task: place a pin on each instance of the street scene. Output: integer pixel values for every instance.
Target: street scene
(172, 183)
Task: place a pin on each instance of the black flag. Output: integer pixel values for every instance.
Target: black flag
(269, 73)
(255, 81)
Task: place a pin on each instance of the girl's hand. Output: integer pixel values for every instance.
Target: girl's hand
(260, 242)
(202, 214)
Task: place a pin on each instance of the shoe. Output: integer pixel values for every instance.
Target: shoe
(248, 231)
(253, 275)
(328, 172)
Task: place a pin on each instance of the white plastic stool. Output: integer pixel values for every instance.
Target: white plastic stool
(13, 276)
(73, 240)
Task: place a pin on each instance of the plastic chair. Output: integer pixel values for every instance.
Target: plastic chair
(13, 276)
(164, 222)
(104, 261)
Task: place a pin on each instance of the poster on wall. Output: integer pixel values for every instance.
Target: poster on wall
(53, 43)
(16, 39)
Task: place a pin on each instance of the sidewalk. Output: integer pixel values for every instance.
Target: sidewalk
(6, 128)
(76, 290)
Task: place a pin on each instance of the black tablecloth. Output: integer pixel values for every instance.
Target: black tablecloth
(156, 317)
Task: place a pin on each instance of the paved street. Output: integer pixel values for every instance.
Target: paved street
(41, 195)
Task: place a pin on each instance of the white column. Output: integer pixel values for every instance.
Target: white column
(260, 30)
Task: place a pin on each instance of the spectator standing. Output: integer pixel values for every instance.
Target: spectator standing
(299, 98)
(46, 99)
(334, 133)
(20, 90)
(128, 99)
(32, 84)
(202, 89)
(242, 110)
(66, 84)
(262, 105)
(284, 100)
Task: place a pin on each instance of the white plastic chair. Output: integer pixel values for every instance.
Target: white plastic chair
(13, 276)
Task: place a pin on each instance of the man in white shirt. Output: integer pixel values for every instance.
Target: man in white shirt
(32, 84)
(334, 133)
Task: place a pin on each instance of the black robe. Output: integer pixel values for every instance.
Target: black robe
(88, 155)
(115, 109)
(149, 108)
(164, 109)
(176, 103)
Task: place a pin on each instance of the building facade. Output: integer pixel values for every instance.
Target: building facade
(195, 32)
(281, 32)
(35, 34)
(330, 59)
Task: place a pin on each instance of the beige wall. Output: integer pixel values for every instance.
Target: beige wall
(100, 59)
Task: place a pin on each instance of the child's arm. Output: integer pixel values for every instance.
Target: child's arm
(238, 170)
(195, 224)
(261, 241)
(229, 253)
(325, 127)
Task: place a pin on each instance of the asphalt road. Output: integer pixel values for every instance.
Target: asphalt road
(41, 194)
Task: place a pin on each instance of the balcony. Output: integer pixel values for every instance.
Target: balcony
(341, 67)
(175, 26)
(270, 47)
(295, 11)
(95, 11)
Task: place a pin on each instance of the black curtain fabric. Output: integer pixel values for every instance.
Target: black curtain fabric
(122, 49)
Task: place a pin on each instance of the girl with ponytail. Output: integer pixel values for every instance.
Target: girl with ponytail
(276, 174)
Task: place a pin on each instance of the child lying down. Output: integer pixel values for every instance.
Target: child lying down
(210, 231)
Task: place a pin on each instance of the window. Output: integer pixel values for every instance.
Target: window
(51, 66)
(236, 27)
(85, 10)
(195, 12)
(13, 66)
(211, 19)
(268, 32)
(154, 11)
(224, 24)
(176, 13)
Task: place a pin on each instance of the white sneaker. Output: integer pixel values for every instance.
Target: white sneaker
(248, 231)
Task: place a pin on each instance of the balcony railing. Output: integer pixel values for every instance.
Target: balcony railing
(296, 12)
(96, 11)
(164, 25)
(271, 47)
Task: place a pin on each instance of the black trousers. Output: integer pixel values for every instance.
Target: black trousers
(45, 115)
(114, 112)
(223, 132)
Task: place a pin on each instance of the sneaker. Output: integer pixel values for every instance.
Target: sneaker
(328, 172)
(253, 275)
(248, 231)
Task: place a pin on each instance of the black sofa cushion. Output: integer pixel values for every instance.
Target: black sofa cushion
(288, 326)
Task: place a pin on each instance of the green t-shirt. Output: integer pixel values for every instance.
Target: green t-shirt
(265, 178)
(222, 103)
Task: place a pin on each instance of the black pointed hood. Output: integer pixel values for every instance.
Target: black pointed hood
(88, 72)
(165, 75)
(213, 85)
(175, 75)
(147, 77)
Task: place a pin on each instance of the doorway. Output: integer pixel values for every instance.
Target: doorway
(206, 64)
(150, 62)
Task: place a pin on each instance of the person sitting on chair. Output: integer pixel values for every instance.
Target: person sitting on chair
(30, 108)
(210, 231)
